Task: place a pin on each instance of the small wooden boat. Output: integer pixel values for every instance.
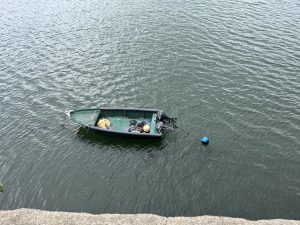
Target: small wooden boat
(123, 121)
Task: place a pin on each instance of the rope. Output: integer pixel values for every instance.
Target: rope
(71, 131)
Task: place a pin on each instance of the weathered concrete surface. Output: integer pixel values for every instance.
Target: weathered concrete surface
(36, 217)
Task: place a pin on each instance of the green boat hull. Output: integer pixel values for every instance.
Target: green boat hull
(120, 120)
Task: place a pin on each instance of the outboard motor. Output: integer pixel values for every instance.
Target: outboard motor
(164, 122)
(162, 116)
(159, 126)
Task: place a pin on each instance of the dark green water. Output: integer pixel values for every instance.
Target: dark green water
(229, 70)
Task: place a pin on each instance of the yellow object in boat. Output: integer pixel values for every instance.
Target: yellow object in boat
(103, 123)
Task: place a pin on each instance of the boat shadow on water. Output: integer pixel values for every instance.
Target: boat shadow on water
(126, 143)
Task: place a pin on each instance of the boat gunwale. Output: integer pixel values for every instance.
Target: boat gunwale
(123, 132)
(129, 109)
(68, 112)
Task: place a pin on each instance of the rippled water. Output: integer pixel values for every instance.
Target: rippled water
(227, 69)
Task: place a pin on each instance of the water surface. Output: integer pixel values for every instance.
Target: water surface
(227, 69)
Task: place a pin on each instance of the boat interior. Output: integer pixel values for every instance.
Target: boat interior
(120, 119)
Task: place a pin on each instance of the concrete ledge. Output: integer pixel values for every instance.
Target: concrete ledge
(36, 217)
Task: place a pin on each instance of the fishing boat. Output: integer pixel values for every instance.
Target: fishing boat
(128, 122)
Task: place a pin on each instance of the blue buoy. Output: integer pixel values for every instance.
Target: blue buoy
(205, 140)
